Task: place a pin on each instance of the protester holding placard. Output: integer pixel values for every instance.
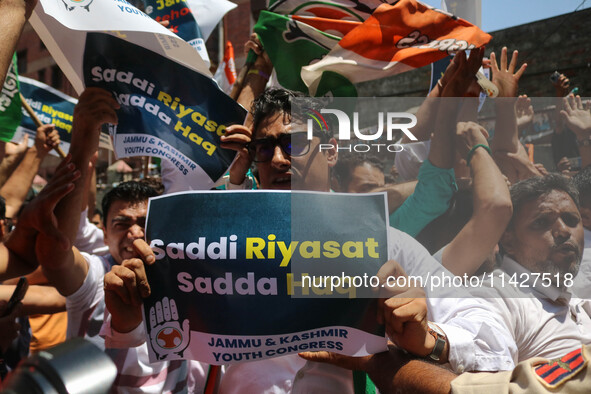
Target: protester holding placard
(277, 170)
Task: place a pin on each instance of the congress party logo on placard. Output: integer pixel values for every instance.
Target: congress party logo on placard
(167, 335)
(71, 4)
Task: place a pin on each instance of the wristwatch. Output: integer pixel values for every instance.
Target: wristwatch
(440, 341)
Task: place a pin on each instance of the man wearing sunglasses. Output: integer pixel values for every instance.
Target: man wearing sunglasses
(285, 158)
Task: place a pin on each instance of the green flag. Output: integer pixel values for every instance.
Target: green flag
(10, 104)
(292, 44)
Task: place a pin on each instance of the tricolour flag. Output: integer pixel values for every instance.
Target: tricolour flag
(394, 39)
(225, 75)
(357, 11)
(292, 44)
(10, 103)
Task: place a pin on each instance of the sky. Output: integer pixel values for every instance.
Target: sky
(500, 14)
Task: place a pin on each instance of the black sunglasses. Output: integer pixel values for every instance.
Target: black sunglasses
(292, 144)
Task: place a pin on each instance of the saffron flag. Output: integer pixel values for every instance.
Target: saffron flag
(182, 22)
(10, 103)
(225, 75)
(394, 39)
(292, 44)
(171, 108)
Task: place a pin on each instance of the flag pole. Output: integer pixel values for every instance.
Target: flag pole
(38, 123)
(241, 77)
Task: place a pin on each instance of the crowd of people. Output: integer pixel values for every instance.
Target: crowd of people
(470, 204)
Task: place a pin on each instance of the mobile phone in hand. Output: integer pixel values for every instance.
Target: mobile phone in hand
(17, 295)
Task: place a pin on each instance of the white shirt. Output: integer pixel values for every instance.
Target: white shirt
(462, 317)
(539, 321)
(582, 283)
(90, 238)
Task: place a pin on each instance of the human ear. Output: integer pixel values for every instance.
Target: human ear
(586, 217)
(507, 241)
(332, 154)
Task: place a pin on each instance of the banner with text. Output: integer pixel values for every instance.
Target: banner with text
(223, 288)
(170, 106)
(50, 106)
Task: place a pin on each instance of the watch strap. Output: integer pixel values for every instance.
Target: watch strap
(440, 341)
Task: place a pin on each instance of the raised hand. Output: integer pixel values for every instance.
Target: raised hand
(505, 76)
(236, 138)
(39, 214)
(524, 112)
(459, 76)
(577, 117)
(47, 138)
(468, 135)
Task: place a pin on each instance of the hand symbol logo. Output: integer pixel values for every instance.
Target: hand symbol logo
(166, 334)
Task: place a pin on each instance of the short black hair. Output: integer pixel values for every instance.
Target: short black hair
(582, 181)
(270, 102)
(530, 189)
(131, 192)
(278, 101)
(349, 161)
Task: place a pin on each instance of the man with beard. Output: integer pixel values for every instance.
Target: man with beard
(542, 250)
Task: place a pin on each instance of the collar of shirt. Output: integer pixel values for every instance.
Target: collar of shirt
(587, 235)
(511, 267)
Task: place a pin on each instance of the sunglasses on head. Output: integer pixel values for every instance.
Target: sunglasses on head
(292, 144)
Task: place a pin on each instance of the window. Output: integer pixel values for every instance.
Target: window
(22, 61)
(41, 75)
(57, 77)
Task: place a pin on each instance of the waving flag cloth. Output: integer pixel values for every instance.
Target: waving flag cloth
(10, 104)
(394, 39)
(357, 11)
(170, 106)
(307, 32)
(225, 75)
(182, 22)
(209, 13)
(292, 44)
